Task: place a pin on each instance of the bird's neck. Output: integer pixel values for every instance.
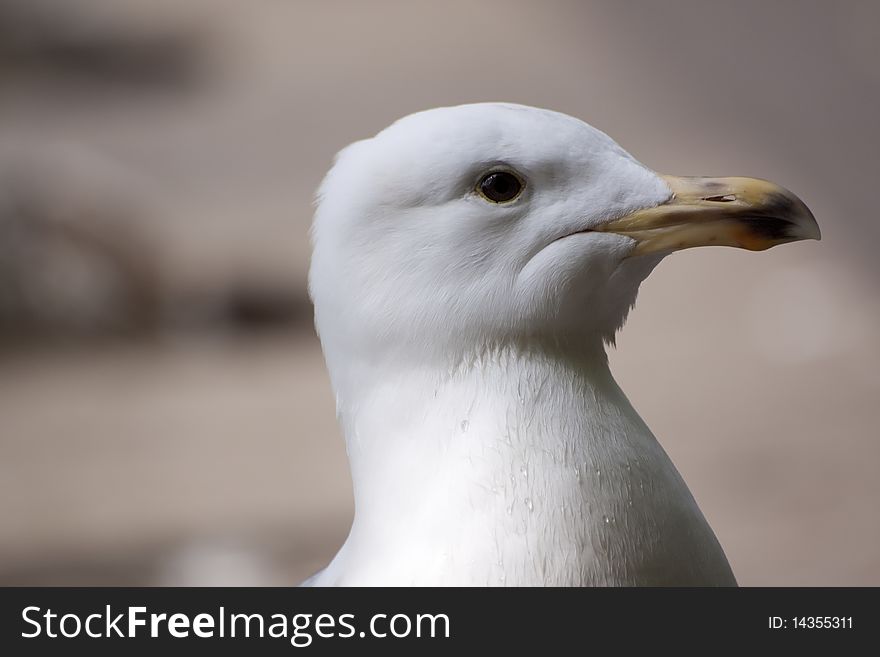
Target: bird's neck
(419, 421)
(487, 472)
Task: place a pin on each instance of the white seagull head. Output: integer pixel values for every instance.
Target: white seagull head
(463, 228)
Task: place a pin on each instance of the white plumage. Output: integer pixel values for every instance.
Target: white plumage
(465, 340)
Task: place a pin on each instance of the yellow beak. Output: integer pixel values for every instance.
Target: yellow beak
(747, 213)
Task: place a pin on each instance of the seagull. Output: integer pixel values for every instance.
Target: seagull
(470, 266)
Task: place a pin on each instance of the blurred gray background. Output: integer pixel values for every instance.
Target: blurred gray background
(165, 416)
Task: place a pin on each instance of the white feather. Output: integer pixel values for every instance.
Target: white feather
(488, 442)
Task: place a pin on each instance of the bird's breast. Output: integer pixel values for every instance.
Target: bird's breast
(548, 482)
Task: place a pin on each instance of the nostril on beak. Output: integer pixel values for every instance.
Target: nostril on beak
(727, 198)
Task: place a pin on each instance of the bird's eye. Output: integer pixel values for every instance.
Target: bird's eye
(499, 186)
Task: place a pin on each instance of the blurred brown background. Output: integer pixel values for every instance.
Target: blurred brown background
(165, 416)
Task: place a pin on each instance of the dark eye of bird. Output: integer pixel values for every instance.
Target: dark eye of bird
(500, 186)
